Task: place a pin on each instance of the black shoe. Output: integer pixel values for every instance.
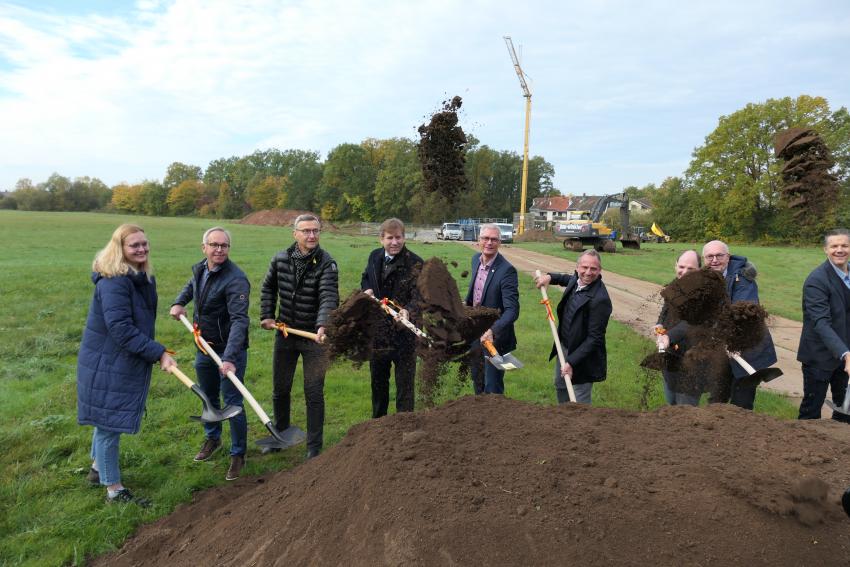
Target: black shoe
(124, 496)
(267, 450)
(93, 477)
(313, 453)
(209, 447)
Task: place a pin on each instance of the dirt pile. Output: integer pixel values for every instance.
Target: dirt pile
(534, 235)
(442, 152)
(810, 190)
(491, 481)
(273, 217)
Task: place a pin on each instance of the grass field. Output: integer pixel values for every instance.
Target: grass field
(782, 270)
(48, 514)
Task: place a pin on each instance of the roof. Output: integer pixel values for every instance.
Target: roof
(559, 203)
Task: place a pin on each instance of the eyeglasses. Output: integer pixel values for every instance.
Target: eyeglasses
(488, 239)
(138, 245)
(711, 257)
(219, 245)
(308, 231)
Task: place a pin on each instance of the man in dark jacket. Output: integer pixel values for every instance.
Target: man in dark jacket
(583, 314)
(825, 342)
(304, 278)
(220, 291)
(493, 283)
(741, 285)
(391, 273)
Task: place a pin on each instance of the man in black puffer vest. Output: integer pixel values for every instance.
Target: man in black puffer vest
(304, 278)
(220, 291)
(391, 273)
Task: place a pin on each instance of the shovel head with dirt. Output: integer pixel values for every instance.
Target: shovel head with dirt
(501, 361)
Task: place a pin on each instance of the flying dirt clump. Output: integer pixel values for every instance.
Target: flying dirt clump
(810, 190)
(351, 328)
(450, 324)
(442, 152)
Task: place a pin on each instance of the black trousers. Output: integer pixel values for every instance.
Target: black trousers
(404, 360)
(314, 365)
(815, 384)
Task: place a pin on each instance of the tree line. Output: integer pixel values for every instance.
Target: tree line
(368, 181)
(730, 190)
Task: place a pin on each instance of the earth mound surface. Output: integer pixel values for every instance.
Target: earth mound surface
(492, 481)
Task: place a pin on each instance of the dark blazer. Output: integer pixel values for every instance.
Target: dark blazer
(221, 310)
(501, 291)
(117, 353)
(741, 286)
(824, 338)
(399, 285)
(585, 335)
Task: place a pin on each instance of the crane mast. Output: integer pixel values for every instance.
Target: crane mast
(526, 92)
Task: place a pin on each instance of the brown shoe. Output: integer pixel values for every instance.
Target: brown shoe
(236, 464)
(209, 447)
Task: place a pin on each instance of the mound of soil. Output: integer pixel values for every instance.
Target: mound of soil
(492, 481)
(273, 217)
(533, 235)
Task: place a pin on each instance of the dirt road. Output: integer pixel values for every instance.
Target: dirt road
(636, 303)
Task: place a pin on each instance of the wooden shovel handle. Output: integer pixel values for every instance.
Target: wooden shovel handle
(744, 364)
(554, 328)
(490, 348)
(180, 376)
(264, 417)
(305, 334)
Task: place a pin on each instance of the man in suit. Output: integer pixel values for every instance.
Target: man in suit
(494, 283)
(583, 314)
(391, 273)
(824, 342)
(740, 276)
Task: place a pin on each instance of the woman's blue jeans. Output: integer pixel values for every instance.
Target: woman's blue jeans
(104, 452)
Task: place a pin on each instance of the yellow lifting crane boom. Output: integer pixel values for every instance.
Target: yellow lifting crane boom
(527, 94)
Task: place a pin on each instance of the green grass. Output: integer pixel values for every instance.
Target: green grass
(49, 516)
(782, 270)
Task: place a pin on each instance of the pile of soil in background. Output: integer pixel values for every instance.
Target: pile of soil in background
(491, 481)
(442, 152)
(534, 235)
(273, 217)
(810, 190)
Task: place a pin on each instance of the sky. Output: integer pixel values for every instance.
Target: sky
(622, 92)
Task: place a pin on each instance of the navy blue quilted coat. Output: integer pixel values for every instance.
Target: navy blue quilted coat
(117, 353)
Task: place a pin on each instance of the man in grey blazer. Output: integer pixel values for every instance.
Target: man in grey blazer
(824, 350)
(494, 283)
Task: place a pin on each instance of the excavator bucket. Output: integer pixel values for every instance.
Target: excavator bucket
(631, 243)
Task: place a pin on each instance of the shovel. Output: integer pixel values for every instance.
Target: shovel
(755, 377)
(286, 330)
(501, 361)
(277, 440)
(209, 413)
(394, 314)
(561, 358)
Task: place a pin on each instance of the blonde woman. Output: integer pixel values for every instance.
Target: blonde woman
(117, 353)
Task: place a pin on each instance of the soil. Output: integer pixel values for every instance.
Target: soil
(810, 190)
(451, 325)
(351, 328)
(442, 152)
(273, 217)
(492, 481)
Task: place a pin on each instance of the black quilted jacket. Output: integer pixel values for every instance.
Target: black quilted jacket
(305, 304)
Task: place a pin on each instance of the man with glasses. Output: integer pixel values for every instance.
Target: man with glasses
(494, 283)
(740, 276)
(220, 291)
(304, 279)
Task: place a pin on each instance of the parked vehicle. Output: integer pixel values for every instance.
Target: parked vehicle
(507, 231)
(450, 231)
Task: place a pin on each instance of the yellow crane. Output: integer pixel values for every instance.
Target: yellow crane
(527, 94)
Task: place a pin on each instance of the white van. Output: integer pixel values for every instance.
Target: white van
(450, 231)
(507, 231)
